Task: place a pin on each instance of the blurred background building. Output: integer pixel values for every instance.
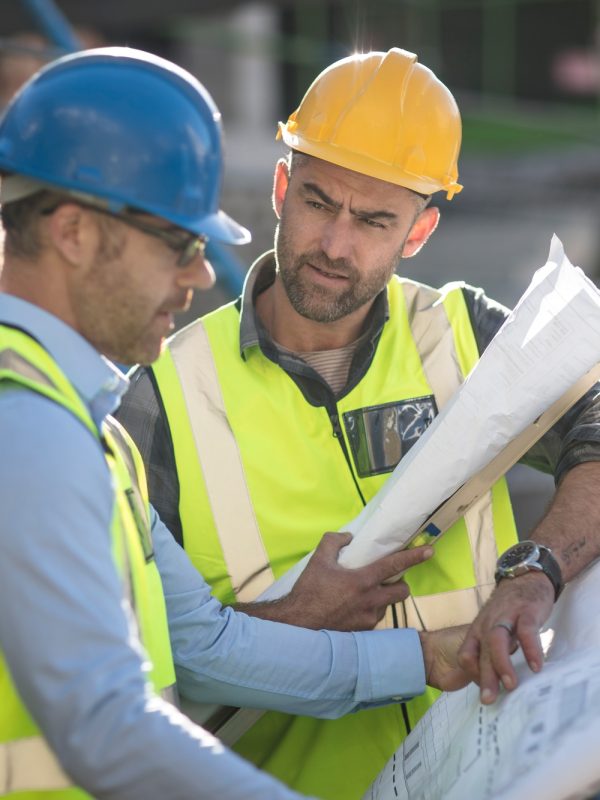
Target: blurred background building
(526, 74)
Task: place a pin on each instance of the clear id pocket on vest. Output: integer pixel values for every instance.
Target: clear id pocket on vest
(381, 435)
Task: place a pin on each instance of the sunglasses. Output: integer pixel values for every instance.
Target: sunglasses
(187, 245)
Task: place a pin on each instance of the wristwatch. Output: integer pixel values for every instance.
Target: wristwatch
(528, 556)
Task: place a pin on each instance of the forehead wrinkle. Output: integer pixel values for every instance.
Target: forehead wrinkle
(357, 212)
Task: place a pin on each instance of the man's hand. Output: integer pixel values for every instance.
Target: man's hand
(440, 653)
(512, 616)
(327, 595)
(519, 607)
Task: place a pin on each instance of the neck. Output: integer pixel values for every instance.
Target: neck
(302, 335)
(38, 284)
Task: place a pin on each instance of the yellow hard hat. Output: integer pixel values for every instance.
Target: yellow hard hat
(384, 115)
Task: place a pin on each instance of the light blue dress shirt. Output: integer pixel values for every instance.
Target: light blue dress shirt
(69, 637)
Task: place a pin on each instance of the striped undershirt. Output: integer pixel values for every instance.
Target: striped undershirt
(332, 365)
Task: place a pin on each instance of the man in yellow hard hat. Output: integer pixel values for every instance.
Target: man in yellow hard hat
(283, 413)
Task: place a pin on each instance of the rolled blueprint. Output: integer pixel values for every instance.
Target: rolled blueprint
(547, 343)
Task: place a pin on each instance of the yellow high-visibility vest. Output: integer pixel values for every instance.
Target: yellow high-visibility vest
(29, 769)
(263, 473)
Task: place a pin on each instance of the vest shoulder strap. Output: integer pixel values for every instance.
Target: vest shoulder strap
(221, 463)
(430, 325)
(39, 373)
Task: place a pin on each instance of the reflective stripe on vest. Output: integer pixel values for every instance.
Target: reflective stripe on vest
(27, 764)
(189, 363)
(445, 372)
(218, 454)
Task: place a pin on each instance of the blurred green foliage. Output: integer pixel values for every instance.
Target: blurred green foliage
(518, 131)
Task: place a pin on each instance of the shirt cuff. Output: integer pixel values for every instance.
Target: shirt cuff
(390, 665)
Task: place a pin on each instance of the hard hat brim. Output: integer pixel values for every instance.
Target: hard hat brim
(223, 228)
(219, 226)
(365, 165)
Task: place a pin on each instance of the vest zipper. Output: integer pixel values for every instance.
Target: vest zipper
(334, 418)
(336, 426)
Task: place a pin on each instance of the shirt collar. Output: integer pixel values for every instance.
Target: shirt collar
(260, 276)
(98, 381)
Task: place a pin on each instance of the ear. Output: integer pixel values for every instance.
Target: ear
(73, 233)
(422, 228)
(280, 185)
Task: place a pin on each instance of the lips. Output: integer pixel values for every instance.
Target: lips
(165, 318)
(328, 273)
(177, 305)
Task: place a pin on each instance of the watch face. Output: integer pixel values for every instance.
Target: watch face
(528, 556)
(519, 553)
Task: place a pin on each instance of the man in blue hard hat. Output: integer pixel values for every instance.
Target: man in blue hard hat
(111, 164)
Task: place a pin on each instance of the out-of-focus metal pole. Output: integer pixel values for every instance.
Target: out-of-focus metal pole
(54, 24)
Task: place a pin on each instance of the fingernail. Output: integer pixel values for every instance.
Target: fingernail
(507, 682)
(428, 552)
(486, 696)
(534, 666)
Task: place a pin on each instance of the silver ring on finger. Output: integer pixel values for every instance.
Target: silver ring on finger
(508, 626)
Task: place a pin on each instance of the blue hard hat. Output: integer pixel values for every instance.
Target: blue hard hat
(128, 128)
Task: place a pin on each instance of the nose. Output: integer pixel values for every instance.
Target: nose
(198, 274)
(336, 238)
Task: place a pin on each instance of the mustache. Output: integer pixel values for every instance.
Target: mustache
(339, 266)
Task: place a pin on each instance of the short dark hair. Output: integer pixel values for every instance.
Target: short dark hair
(19, 220)
(23, 237)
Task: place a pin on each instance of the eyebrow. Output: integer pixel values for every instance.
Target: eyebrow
(357, 212)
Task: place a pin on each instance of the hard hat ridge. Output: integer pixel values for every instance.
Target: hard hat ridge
(384, 115)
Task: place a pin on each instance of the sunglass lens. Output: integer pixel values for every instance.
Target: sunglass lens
(190, 251)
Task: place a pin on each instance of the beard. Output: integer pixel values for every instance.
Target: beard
(322, 303)
(117, 313)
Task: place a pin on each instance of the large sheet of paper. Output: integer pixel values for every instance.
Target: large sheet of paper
(540, 741)
(549, 341)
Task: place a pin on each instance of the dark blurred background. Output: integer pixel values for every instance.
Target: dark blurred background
(526, 74)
